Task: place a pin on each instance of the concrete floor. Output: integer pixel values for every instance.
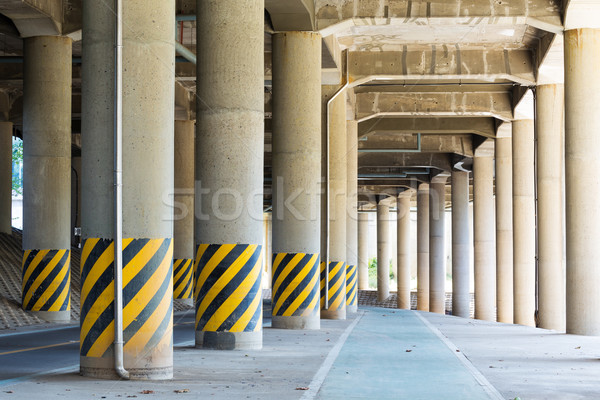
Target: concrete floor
(377, 354)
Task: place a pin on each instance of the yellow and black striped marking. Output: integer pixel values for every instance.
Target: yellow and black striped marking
(183, 278)
(46, 280)
(295, 277)
(351, 285)
(337, 285)
(228, 289)
(147, 297)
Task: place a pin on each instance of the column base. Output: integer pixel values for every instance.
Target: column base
(103, 368)
(53, 316)
(294, 322)
(340, 313)
(229, 340)
(352, 309)
(185, 302)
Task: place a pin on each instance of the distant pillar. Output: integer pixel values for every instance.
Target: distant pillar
(267, 275)
(47, 177)
(461, 245)
(404, 247)
(504, 228)
(423, 247)
(524, 222)
(229, 174)
(296, 175)
(6, 129)
(363, 251)
(437, 245)
(483, 233)
(582, 97)
(183, 220)
(148, 183)
(550, 141)
(383, 251)
(334, 306)
(352, 218)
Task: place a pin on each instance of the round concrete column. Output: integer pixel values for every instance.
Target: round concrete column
(550, 141)
(352, 218)
(183, 220)
(461, 245)
(504, 230)
(483, 237)
(334, 305)
(148, 183)
(383, 251)
(363, 251)
(404, 253)
(229, 174)
(524, 222)
(437, 246)
(6, 129)
(423, 247)
(268, 251)
(582, 145)
(47, 176)
(296, 179)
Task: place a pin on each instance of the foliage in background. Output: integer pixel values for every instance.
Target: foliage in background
(373, 274)
(17, 158)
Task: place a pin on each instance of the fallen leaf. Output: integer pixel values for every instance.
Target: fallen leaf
(408, 351)
(302, 388)
(147, 392)
(182, 391)
(577, 348)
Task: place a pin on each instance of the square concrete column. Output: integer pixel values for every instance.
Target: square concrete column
(504, 225)
(404, 249)
(484, 244)
(550, 142)
(423, 247)
(6, 130)
(437, 245)
(524, 221)
(582, 146)
(461, 245)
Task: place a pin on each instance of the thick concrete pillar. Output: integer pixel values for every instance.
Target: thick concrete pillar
(47, 177)
(550, 142)
(363, 251)
(437, 245)
(352, 218)
(404, 249)
(423, 247)
(6, 129)
(461, 245)
(267, 251)
(582, 145)
(524, 221)
(383, 251)
(296, 179)
(183, 219)
(483, 232)
(504, 230)
(148, 174)
(229, 174)
(333, 303)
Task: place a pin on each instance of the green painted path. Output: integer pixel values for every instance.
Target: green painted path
(392, 354)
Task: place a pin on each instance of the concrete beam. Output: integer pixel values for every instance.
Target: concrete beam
(457, 144)
(496, 104)
(423, 160)
(442, 62)
(44, 17)
(582, 14)
(291, 15)
(476, 125)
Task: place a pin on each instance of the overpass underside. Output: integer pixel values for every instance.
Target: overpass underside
(258, 136)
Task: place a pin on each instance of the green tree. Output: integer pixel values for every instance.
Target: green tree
(17, 158)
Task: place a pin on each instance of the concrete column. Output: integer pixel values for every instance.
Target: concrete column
(524, 221)
(296, 177)
(6, 129)
(383, 251)
(363, 251)
(582, 145)
(229, 173)
(268, 250)
(404, 253)
(148, 183)
(483, 233)
(334, 305)
(504, 230)
(352, 218)
(461, 245)
(183, 220)
(437, 245)
(423, 247)
(550, 142)
(47, 177)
